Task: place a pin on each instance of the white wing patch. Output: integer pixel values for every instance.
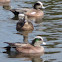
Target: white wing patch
(33, 12)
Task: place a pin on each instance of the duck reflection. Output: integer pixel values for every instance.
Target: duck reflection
(15, 17)
(36, 19)
(25, 35)
(27, 57)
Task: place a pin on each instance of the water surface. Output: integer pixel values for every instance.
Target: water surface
(50, 28)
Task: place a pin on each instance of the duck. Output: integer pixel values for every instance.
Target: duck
(23, 24)
(27, 48)
(36, 11)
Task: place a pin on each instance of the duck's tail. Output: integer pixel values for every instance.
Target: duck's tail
(11, 44)
(14, 12)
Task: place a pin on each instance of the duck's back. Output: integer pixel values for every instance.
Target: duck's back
(34, 13)
(30, 49)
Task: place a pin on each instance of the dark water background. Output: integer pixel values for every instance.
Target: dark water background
(50, 28)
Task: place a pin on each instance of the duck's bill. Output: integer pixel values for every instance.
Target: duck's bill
(44, 43)
(43, 7)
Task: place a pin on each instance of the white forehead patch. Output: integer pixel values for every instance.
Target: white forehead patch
(33, 12)
(39, 37)
(39, 2)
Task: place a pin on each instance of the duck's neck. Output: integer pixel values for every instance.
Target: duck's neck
(36, 7)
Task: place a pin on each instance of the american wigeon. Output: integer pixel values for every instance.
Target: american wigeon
(35, 11)
(25, 35)
(24, 24)
(35, 47)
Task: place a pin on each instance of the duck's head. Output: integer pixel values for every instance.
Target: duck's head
(38, 5)
(37, 41)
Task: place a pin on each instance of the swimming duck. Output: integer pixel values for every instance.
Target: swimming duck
(24, 24)
(35, 11)
(28, 48)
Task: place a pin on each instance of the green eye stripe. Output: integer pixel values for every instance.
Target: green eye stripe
(37, 40)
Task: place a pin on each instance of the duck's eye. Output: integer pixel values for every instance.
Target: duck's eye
(39, 39)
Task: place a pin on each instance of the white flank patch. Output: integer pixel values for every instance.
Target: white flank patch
(21, 15)
(33, 12)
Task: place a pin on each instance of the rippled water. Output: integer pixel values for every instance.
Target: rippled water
(50, 28)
